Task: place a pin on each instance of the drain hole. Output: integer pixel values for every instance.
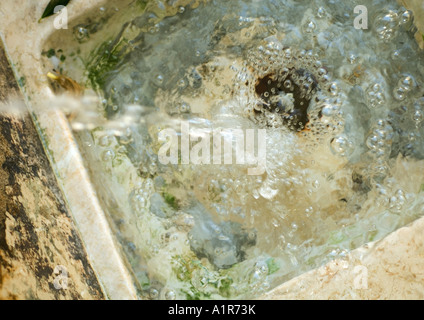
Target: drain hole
(289, 94)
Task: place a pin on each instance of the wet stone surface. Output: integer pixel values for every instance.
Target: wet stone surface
(41, 253)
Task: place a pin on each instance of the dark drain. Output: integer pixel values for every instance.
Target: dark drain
(299, 84)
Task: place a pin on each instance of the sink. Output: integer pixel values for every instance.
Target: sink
(101, 180)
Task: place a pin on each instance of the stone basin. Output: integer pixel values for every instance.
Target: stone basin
(390, 268)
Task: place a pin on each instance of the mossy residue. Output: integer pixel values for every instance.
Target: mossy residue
(103, 60)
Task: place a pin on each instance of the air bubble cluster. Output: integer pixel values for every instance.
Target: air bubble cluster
(386, 25)
(389, 22)
(375, 95)
(289, 87)
(404, 86)
(379, 141)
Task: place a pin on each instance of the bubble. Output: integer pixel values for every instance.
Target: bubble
(153, 293)
(267, 191)
(396, 54)
(376, 87)
(105, 141)
(375, 95)
(181, 9)
(309, 211)
(326, 78)
(138, 201)
(397, 201)
(287, 84)
(275, 223)
(322, 72)
(327, 110)
(412, 137)
(182, 83)
(386, 25)
(334, 89)
(321, 13)
(384, 129)
(80, 33)
(184, 108)
(373, 141)
(310, 26)
(352, 58)
(170, 295)
(379, 141)
(159, 79)
(292, 247)
(260, 269)
(418, 116)
(407, 82)
(399, 93)
(341, 145)
(153, 29)
(405, 17)
(108, 155)
(380, 170)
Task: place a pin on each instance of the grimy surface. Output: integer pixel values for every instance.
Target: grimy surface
(41, 253)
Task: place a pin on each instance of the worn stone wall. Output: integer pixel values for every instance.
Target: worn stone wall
(417, 7)
(41, 253)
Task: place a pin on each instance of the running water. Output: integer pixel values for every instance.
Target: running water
(342, 109)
